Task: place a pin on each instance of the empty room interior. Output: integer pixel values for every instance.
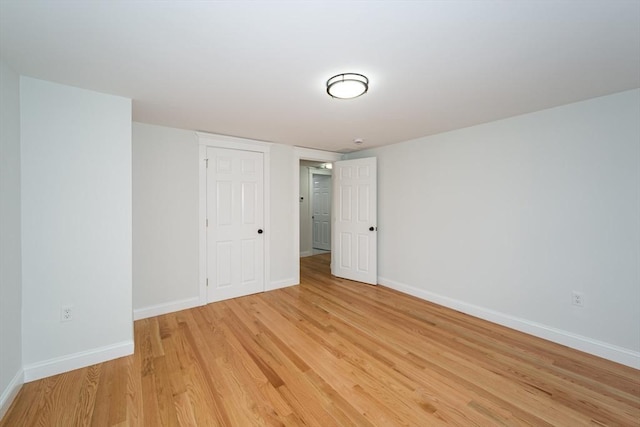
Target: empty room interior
(238, 213)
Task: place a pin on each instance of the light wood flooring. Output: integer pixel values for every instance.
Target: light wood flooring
(332, 352)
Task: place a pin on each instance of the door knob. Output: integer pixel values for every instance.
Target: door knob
(371, 228)
(260, 231)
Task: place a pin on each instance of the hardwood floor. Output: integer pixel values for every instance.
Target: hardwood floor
(333, 352)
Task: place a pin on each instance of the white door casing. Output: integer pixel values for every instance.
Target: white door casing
(354, 241)
(235, 223)
(321, 210)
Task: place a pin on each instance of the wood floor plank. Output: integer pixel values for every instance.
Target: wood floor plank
(332, 352)
(202, 391)
(87, 398)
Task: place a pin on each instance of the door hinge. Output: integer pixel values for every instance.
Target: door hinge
(206, 163)
(207, 281)
(207, 221)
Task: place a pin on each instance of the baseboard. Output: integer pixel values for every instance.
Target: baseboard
(306, 254)
(170, 307)
(58, 365)
(282, 284)
(11, 392)
(184, 304)
(601, 349)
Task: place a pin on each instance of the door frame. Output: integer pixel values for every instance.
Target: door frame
(222, 141)
(312, 155)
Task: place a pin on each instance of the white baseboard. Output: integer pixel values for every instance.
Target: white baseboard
(305, 254)
(11, 392)
(281, 284)
(184, 304)
(598, 348)
(170, 307)
(58, 365)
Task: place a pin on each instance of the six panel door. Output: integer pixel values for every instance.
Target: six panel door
(321, 197)
(235, 229)
(354, 242)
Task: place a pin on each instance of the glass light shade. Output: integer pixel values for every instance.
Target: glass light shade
(348, 85)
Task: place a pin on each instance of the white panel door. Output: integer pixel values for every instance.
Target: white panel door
(321, 213)
(235, 234)
(354, 243)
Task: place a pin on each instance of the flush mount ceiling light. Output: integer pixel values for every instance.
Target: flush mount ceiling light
(347, 85)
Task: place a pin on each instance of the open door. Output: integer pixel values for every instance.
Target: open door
(354, 244)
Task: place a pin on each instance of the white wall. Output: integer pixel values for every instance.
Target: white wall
(504, 220)
(76, 227)
(283, 218)
(11, 374)
(165, 220)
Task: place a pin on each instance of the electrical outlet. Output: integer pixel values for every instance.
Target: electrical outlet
(66, 314)
(577, 299)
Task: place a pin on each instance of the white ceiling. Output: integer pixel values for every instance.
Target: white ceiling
(258, 69)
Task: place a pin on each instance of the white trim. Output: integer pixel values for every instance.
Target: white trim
(58, 365)
(314, 155)
(301, 153)
(11, 392)
(319, 171)
(230, 142)
(169, 307)
(598, 348)
(305, 254)
(267, 217)
(282, 284)
(202, 224)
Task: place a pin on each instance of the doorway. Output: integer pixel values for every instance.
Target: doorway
(301, 156)
(315, 207)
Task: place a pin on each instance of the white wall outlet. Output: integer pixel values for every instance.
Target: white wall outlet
(66, 314)
(577, 299)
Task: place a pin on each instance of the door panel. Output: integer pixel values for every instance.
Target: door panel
(345, 202)
(223, 205)
(249, 198)
(345, 250)
(355, 229)
(235, 212)
(363, 253)
(223, 264)
(248, 263)
(363, 203)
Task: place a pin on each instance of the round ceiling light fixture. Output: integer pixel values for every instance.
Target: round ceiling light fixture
(347, 85)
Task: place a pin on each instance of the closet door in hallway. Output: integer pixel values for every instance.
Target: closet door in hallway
(321, 214)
